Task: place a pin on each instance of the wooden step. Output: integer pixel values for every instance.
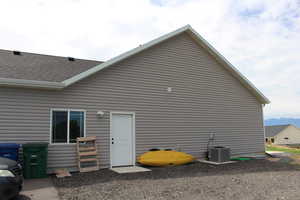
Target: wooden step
(90, 153)
(87, 149)
(88, 160)
(89, 169)
(86, 139)
(62, 173)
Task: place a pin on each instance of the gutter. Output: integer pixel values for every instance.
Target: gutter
(31, 84)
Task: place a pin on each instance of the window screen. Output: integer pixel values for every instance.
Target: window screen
(76, 125)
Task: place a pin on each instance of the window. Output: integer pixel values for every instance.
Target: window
(267, 140)
(272, 140)
(67, 125)
(59, 127)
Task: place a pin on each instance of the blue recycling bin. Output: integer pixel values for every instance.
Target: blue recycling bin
(10, 151)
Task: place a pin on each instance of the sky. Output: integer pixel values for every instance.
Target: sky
(261, 38)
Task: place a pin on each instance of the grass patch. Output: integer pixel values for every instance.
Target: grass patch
(283, 149)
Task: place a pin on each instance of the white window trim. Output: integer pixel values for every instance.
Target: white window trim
(68, 125)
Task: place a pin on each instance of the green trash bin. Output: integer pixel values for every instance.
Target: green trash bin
(35, 156)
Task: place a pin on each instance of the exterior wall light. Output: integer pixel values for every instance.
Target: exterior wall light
(100, 114)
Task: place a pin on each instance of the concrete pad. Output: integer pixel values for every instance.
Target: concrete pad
(39, 189)
(131, 169)
(262, 155)
(270, 152)
(215, 163)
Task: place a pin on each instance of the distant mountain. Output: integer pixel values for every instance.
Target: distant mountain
(282, 121)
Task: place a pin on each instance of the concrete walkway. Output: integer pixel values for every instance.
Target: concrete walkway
(39, 189)
(131, 169)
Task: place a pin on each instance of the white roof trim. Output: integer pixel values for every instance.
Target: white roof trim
(234, 71)
(197, 37)
(31, 83)
(201, 41)
(123, 56)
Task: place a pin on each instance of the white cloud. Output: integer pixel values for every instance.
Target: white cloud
(261, 38)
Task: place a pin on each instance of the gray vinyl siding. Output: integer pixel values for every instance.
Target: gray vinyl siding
(205, 99)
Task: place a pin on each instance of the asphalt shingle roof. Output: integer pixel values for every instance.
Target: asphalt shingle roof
(271, 131)
(30, 66)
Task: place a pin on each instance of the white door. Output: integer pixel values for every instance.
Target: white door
(122, 139)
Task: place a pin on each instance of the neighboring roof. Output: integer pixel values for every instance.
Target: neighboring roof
(37, 67)
(188, 29)
(271, 131)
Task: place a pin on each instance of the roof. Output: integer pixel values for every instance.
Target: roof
(271, 131)
(30, 66)
(50, 84)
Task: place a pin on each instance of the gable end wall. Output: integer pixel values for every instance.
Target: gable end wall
(205, 99)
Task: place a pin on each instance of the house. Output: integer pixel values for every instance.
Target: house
(282, 134)
(172, 92)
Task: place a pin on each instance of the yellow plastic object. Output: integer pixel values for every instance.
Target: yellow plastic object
(164, 158)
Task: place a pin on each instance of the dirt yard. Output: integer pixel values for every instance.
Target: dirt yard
(272, 179)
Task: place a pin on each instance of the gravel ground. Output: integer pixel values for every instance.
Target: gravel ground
(251, 180)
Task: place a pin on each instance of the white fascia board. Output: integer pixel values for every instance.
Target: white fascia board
(197, 37)
(31, 84)
(234, 71)
(124, 56)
